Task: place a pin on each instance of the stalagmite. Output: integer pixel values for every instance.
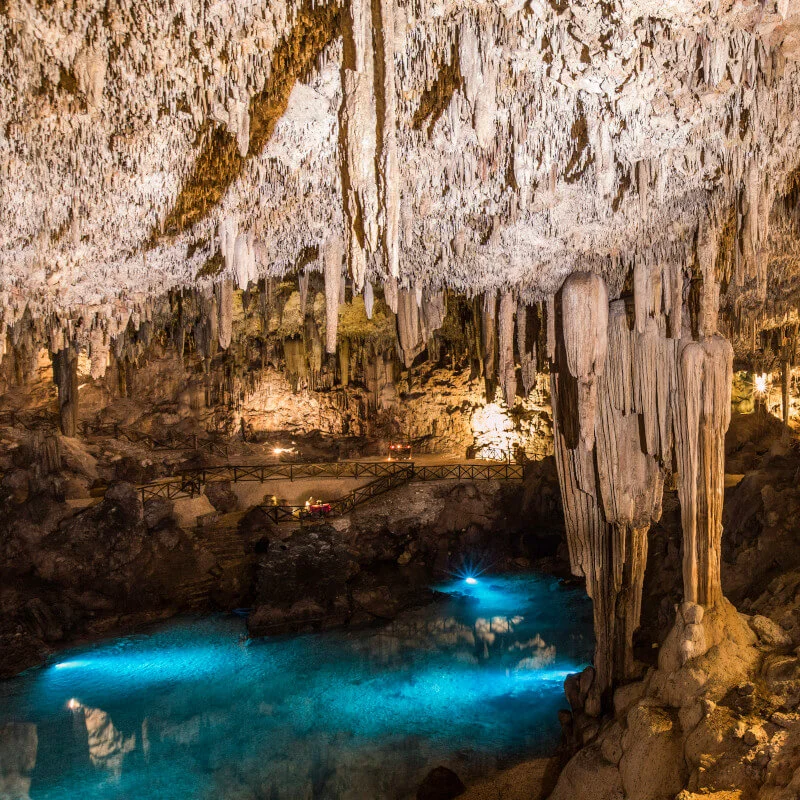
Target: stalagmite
(584, 308)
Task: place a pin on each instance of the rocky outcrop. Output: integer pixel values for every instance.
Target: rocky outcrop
(382, 558)
(683, 726)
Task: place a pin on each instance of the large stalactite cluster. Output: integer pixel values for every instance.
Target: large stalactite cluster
(636, 391)
(481, 145)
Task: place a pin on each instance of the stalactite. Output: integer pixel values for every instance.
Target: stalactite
(390, 293)
(433, 311)
(489, 342)
(359, 130)
(409, 333)
(702, 413)
(507, 369)
(295, 353)
(551, 327)
(526, 348)
(786, 376)
(585, 323)
(224, 292)
(99, 348)
(333, 279)
(389, 174)
(369, 299)
(302, 283)
(65, 376)
(587, 530)
(344, 362)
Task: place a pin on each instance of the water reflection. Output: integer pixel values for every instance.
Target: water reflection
(18, 747)
(189, 712)
(107, 746)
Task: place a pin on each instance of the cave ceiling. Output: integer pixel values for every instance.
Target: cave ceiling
(476, 145)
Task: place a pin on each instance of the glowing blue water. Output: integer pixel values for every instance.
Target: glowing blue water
(192, 711)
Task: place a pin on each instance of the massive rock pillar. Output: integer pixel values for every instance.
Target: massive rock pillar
(611, 484)
(65, 376)
(628, 385)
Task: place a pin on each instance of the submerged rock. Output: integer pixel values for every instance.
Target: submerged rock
(440, 783)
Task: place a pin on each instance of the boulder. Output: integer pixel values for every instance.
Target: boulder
(588, 776)
(652, 765)
(222, 497)
(769, 632)
(19, 744)
(157, 513)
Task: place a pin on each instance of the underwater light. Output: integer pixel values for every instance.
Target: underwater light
(73, 704)
(70, 664)
(470, 580)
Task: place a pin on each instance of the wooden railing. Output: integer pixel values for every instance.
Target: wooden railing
(344, 505)
(190, 482)
(294, 471)
(469, 472)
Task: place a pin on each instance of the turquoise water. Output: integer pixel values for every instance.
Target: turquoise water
(192, 710)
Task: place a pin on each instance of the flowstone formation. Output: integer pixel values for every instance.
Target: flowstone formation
(633, 388)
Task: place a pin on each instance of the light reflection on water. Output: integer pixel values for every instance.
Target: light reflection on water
(191, 710)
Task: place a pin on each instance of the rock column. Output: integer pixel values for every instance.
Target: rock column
(702, 414)
(65, 376)
(624, 394)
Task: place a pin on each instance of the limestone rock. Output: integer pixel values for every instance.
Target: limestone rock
(589, 776)
(652, 763)
(769, 632)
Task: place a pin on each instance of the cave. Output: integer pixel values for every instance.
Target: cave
(400, 399)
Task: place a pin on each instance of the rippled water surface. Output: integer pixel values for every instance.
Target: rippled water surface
(192, 710)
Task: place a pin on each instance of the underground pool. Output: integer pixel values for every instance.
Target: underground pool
(192, 709)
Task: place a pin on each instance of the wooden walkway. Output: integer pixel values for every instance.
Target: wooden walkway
(190, 482)
(386, 476)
